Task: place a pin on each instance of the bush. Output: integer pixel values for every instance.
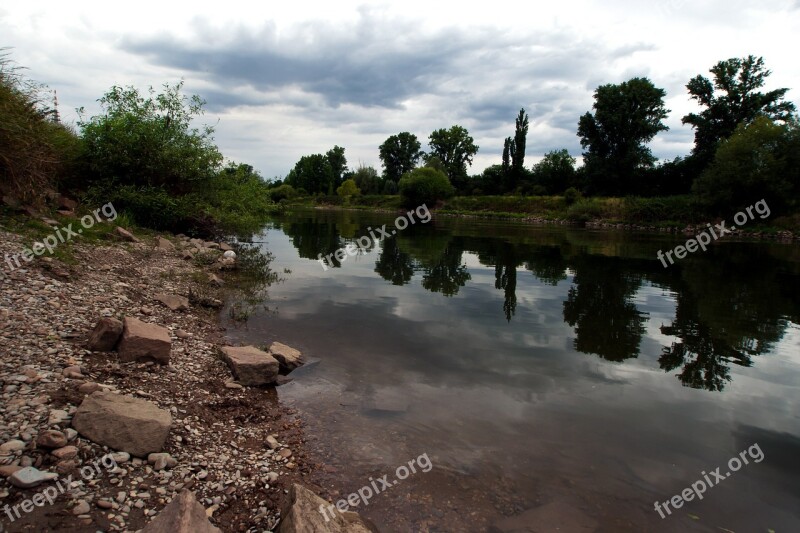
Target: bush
(347, 189)
(282, 192)
(572, 195)
(147, 141)
(424, 186)
(585, 210)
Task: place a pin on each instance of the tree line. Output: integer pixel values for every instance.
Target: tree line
(746, 145)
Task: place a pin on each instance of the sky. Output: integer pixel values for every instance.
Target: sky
(283, 80)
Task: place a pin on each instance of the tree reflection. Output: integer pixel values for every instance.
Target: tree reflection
(599, 307)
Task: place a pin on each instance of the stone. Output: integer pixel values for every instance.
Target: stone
(144, 341)
(67, 204)
(182, 334)
(88, 388)
(175, 303)
(72, 372)
(51, 439)
(272, 442)
(289, 358)
(71, 434)
(12, 446)
(164, 245)
(29, 477)
(302, 514)
(187, 255)
(215, 280)
(105, 504)
(160, 461)
(121, 457)
(7, 470)
(81, 507)
(123, 423)
(57, 416)
(125, 235)
(211, 245)
(225, 247)
(67, 452)
(184, 514)
(106, 335)
(250, 366)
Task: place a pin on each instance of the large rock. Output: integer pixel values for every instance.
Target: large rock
(106, 335)
(164, 245)
(303, 515)
(143, 341)
(251, 366)
(123, 423)
(125, 234)
(184, 514)
(174, 302)
(289, 358)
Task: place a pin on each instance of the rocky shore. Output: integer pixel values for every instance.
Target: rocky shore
(115, 389)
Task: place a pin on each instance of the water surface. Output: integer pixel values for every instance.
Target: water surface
(558, 375)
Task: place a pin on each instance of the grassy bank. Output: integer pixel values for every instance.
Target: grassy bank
(659, 212)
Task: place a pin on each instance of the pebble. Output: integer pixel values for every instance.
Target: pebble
(30, 477)
(11, 446)
(81, 508)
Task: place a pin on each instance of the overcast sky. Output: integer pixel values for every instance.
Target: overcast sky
(287, 79)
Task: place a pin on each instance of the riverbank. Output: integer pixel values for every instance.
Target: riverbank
(657, 215)
(235, 447)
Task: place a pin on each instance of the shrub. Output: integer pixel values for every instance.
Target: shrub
(585, 210)
(347, 189)
(424, 186)
(147, 141)
(572, 195)
(282, 192)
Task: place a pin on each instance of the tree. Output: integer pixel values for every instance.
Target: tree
(424, 186)
(761, 160)
(399, 154)
(455, 148)
(367, 180)
(731, 99)
(338, 164)
(555, 172)
(313, 173)
(347, 189)
(626, 117)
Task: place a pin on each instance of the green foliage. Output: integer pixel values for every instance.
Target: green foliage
(572, 195)
(313, 173)
(237, 199)
(399, 154)
(555, 172)
(147, 141)
(367, 180)
(585, 210)
(626, 116)
(761, 160)
(390, 187)
(338, 164)
(35, 150)
(455, 148)
(424, 186)
(514, 153)
(282, 192)
(732, 99)
(348, 189)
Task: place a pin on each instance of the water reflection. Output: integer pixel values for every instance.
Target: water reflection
(732, 303)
